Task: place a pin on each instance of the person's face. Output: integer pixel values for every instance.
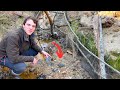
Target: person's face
(29, 27)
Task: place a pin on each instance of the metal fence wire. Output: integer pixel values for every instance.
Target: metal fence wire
(89, 61)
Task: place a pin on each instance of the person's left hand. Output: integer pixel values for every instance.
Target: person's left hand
(46, 54)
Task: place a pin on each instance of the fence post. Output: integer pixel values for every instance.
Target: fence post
(101, 51)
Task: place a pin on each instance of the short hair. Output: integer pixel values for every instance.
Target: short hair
(32, 18)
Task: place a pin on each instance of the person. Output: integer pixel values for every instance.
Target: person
(19, 46)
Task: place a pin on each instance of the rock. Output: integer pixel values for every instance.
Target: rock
(42, 76)
(55, 70)
(69, 52)
(31, 69)
(107, 22)
(61, 65)
(49, 62)
(86, 21)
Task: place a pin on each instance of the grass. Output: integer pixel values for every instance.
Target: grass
(88, 42)
(115, 63)
(75, 25)
(86, 39)
(115, 53)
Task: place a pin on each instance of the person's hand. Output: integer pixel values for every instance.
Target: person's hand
(35, 61)
(46, 54)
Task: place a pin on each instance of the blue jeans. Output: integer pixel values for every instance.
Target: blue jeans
(17, 67)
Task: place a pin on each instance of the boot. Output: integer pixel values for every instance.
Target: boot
(15, 75)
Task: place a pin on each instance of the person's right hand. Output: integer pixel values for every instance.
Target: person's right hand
(35, 61)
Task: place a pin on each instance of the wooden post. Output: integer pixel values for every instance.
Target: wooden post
(97, 26)
(101, 51)
(95, 30)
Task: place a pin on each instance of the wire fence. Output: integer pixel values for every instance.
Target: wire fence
(90, 62)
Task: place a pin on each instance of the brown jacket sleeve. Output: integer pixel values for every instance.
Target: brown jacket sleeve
(12, 50)
(34, 45)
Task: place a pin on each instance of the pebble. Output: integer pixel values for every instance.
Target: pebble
(61, 65)
(42, 76)
(55, 70)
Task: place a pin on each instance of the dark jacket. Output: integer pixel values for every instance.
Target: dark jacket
(16, 42)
